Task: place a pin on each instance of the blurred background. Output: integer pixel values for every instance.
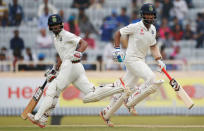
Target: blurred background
(27, 50)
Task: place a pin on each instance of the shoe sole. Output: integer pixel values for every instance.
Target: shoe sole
(41, 126)
(109, 125)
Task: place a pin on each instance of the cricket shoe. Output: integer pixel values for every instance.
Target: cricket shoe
(131, 109)
(128, 92)
(39, 123)
(107, 121)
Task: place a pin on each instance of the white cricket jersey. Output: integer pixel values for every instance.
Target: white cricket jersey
(65, 44)
(140, 39)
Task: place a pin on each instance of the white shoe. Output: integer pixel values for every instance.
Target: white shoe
(128, 92)
(39, 123)
(107, 121)
(131, 109)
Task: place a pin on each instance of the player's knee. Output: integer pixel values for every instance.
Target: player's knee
(60, 84)
(52, 90)
(150, 84)
(150, 80)
(155, 85)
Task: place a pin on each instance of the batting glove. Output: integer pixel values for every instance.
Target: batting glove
(76, 57)
(161, 65)
(51, 74)
(118, 56)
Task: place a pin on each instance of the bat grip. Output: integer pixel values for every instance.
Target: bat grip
(44, 84)
(165, 72)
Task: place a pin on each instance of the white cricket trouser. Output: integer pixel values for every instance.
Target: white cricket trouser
(138, 69)
(68, 73)
(75, 74)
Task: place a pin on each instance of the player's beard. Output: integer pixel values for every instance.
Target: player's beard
(57, 30)
(148, 21)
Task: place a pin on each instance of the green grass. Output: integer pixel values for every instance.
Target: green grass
(122, 123)
(132, 120)
(98, 129)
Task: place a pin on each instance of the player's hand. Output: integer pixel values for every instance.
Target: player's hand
(51, 74)
(161, 65)
(76, 57)
(118, 56)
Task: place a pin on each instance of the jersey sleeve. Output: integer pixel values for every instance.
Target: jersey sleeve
(72, 38)
(128, 30)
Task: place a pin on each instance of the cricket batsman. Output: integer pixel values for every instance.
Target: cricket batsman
(141, 37)
(69, 70)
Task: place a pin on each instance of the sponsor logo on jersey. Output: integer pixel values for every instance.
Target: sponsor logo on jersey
(141, 32)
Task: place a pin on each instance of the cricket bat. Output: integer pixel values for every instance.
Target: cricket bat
(179, 90)
(34, 101)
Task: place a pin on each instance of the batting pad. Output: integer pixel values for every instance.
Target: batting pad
(103, 92)
(139, 96)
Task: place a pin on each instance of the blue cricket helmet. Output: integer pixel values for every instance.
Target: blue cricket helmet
(148, 8)
(54, 19)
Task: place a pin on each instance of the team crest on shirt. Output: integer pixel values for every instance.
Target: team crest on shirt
(141, 32)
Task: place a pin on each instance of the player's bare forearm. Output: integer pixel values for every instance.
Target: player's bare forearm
(155, 52)
(117, 39)
(82, 46)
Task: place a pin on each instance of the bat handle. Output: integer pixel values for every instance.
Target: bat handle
(165, 72)
(44, 84)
